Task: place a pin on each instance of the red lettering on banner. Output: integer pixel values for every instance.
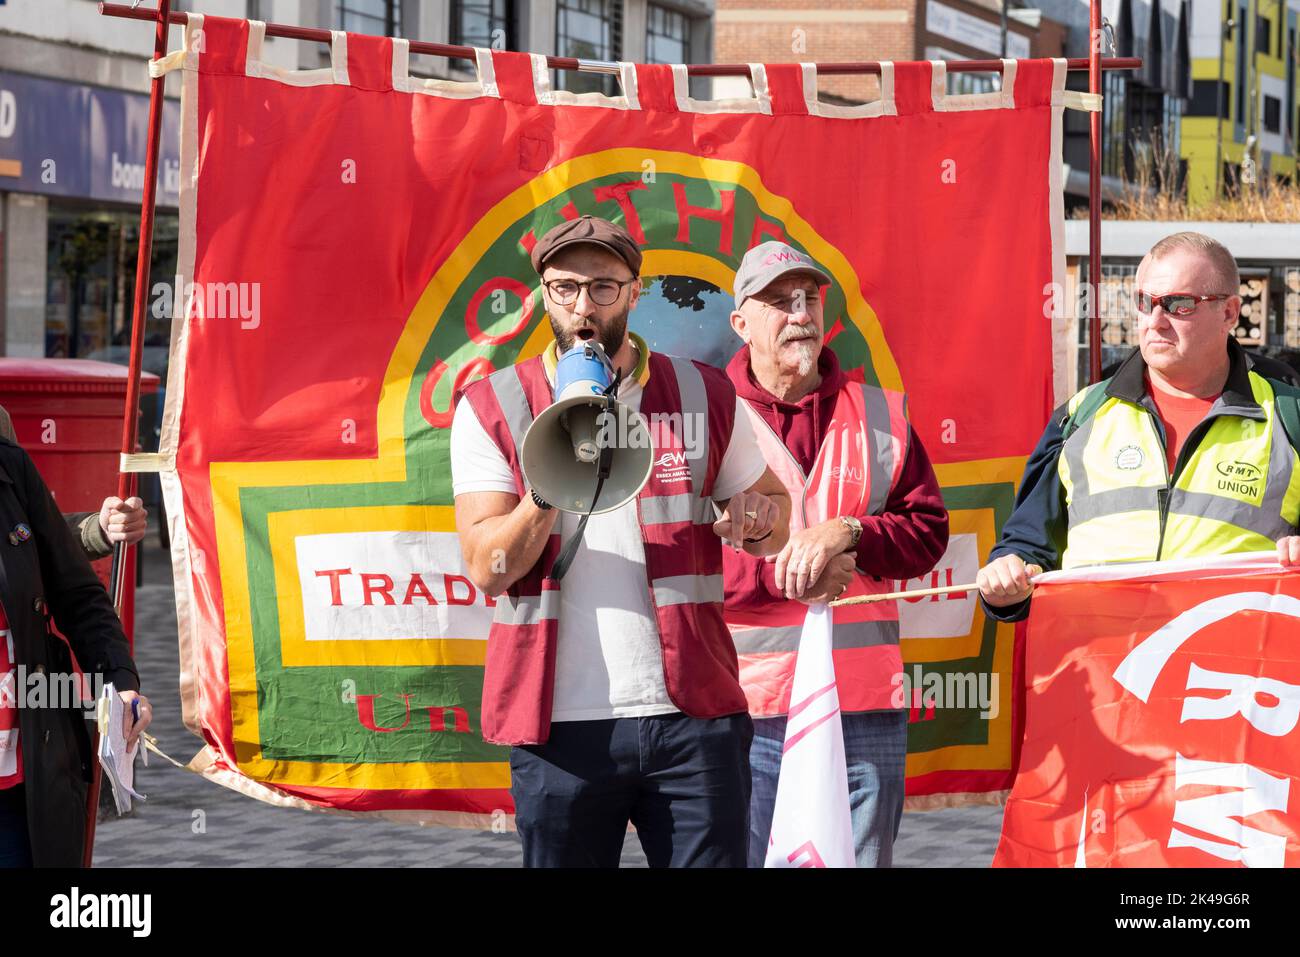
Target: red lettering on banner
(383, 586)
(336, 595)
(437, 715)
(764, 230)
(438, 719)
(417, 588)
(618, 192)
(477, 367)
(809, 854)
(725, 216)
(934, 577)
(529, 239)
(521, 292)
(449, 582)
(458, 590)
(933, 583)
(366, 712)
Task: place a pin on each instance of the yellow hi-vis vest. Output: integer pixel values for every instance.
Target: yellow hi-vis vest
(1235, 488)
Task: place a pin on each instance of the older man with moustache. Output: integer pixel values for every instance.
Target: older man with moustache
(866, 509)
(617, 687)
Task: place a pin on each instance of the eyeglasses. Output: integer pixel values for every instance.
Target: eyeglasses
(1175, 303)
(603, 292)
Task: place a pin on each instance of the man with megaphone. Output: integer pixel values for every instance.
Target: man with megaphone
(588, 483)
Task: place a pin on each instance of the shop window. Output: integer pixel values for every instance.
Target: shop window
(90, 283)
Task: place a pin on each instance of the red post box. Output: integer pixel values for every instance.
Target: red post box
(67, 414)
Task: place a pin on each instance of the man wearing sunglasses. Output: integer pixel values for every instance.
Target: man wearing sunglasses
(867, 511)
(617, 686)
(1187, 450)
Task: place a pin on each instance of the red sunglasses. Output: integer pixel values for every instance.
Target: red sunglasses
(1175, 303)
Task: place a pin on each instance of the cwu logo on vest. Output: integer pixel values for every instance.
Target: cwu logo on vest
(672, 467)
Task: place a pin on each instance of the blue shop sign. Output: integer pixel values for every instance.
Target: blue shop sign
(69, 139)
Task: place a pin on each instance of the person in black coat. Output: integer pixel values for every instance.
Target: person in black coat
(116, 521)
(46, 578)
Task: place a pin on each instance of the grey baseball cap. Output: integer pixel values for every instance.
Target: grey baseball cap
(768, 262)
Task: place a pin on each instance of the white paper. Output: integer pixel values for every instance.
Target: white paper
(116, 759)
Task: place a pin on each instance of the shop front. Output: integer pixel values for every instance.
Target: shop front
(71, 175)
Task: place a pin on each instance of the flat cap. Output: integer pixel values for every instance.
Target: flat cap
(593, 231)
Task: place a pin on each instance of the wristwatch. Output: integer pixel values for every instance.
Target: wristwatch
(855, 529)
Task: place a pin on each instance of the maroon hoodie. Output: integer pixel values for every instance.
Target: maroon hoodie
(905, 541)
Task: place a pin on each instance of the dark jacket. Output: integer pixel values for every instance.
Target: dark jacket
(1038, 526)
(48, 576)
(85, 525)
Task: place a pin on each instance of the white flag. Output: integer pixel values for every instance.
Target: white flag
(811, 825)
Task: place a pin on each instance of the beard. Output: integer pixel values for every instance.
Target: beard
(807, 358)
(610, 335)
(807, 348)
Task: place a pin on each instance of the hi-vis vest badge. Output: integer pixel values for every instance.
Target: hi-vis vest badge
(1129, 457)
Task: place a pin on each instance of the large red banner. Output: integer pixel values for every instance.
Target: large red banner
(1161, 711)
(353, 249)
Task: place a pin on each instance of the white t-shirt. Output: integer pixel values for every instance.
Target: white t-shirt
(608, 661)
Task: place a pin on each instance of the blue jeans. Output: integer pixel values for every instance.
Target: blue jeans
(15, 846)
(683, 783)
(875, 749)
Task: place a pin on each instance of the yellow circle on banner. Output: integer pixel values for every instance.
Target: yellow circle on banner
(433, 303)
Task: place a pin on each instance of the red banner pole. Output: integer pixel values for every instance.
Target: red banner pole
(131, 416)
(454, 52)
(1094, 196)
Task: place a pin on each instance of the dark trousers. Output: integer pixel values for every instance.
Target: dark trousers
(683, 783)
(15, 845)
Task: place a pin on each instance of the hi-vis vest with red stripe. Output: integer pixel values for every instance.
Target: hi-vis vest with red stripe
(683, 555)
(856, 468)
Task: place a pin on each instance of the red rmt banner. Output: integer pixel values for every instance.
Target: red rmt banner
(1162, 703)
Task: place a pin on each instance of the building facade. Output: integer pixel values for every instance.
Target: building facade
(74, 119)
(785, 31)
(1242, 121)
(1142, 109)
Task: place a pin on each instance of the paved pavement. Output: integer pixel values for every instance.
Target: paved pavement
(190, 822)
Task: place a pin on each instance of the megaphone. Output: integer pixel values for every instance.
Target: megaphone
(584, 433)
